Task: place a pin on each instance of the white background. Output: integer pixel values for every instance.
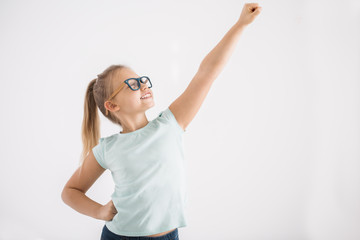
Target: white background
(273, 152)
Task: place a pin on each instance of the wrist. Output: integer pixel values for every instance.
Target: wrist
(98, 211)
(240, 25)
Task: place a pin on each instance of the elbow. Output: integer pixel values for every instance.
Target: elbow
(64, 195)
(209, 71)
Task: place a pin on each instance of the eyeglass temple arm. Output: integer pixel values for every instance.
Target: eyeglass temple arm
(112, 95)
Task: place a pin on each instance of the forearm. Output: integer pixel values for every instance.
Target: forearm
(214, 62)
(80, 202)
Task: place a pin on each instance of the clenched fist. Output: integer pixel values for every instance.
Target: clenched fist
(249, 13)
(108, 211)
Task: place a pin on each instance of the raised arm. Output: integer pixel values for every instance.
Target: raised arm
(188, 103)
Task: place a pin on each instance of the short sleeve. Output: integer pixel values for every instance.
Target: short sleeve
(98, 151)
(169, 116)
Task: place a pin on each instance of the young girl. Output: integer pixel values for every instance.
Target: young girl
(146, 158)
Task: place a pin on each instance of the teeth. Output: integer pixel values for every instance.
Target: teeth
(146, 95)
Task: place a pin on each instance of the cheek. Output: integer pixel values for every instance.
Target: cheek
(131, 100)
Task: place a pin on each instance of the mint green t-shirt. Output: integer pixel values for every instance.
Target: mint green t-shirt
(148, 169)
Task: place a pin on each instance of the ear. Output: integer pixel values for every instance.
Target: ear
(110, 106)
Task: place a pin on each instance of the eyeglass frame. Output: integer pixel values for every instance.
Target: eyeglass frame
(127, 82)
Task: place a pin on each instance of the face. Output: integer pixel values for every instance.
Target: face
(127, 100)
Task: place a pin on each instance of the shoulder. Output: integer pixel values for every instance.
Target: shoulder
(167, 116)
(103, 141)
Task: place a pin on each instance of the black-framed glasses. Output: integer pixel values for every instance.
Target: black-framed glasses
(134, 83)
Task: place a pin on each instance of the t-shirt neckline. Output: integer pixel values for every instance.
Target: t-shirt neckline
(137, 130)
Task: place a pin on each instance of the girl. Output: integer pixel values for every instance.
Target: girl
(146, 158)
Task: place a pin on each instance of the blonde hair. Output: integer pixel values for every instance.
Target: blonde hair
(98, 90)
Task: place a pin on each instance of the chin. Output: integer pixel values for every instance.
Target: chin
(151, 105)
(148, 104)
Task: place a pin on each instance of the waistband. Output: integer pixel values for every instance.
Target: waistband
(169, 236)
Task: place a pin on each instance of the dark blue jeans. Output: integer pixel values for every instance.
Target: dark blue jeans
(108, 235)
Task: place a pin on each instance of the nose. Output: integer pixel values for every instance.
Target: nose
(144, 85)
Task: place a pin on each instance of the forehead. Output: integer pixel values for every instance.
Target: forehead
(123, 74)
(126, 73)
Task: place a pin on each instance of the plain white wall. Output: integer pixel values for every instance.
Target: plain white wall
(273, 152)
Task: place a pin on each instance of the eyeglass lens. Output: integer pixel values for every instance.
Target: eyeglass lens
(135, 85)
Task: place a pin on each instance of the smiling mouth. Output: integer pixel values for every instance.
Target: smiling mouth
(148, 95)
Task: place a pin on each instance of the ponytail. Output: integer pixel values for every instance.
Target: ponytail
(90, 129)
